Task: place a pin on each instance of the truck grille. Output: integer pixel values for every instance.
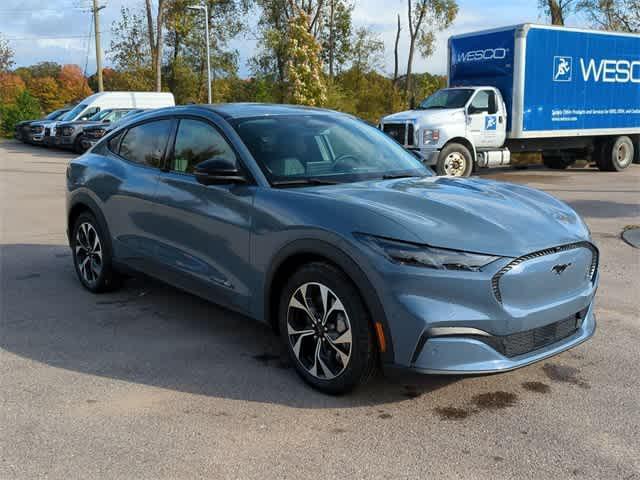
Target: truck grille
(402, 133)
(530, 340)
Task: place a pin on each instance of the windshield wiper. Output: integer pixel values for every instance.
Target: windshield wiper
(402, 175)
(304, 181)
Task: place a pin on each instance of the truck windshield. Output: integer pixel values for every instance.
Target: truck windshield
(298, 150)
(453, 98)
(72, 114)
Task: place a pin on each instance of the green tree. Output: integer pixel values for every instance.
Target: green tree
(426, 17)
(26, 107)
(335, 35)
(304, 69)
(129, 51)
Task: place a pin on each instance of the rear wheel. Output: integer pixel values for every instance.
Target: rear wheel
(326, 329)
(455, 160)
(617, 155)
(92, 255)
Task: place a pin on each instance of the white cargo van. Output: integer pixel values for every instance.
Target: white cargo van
(99, 101)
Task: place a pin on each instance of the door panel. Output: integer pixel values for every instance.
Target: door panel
(205, 230)
(487, 124)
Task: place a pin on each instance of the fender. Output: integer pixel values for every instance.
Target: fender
(348, 265)
(84, 199)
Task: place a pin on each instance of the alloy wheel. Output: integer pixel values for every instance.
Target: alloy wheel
(455, 164)
(88, 252)
(319, 331)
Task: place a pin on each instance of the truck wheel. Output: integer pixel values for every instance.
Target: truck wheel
(617, 155)
(557, 161)
(455, 160)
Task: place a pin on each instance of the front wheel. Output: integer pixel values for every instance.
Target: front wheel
(455, 160)
(326, 329)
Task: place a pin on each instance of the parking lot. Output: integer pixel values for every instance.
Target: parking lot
(150, 382)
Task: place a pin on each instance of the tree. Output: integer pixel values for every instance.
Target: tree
(613, 15)
(557, 10)
(73, 84)
(156, 41)
(46, 90)
(6, 56)
(426, 17)
(11, 86)
(26, 107)
(129, 52)
(304, 68)
(395, 53)
(335, 35)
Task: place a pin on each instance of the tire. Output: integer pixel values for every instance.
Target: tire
(616, 155)
(342, 366)
(455, 160)
(77, 145)
(557, 162)
(97, 274)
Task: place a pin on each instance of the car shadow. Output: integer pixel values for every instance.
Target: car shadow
(150, 333)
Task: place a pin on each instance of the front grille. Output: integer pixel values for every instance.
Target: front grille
(400, 132)
(495, 281)
(530, 340)
(58, 132)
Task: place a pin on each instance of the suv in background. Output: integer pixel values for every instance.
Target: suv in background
(69, 134)
(93, 133)
(24, 131)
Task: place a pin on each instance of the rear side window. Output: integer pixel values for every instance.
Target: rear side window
(145, 144)
(196, 142)
(114, 143)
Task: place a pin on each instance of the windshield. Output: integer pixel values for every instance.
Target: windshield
(100, 115)
(74, 112)
(454, 98)
(324, 148)
(55, 114)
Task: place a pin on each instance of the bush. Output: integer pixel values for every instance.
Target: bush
(26, 107)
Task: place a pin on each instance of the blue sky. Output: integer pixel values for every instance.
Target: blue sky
(57, 30)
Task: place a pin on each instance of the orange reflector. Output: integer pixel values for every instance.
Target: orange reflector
(382, 342)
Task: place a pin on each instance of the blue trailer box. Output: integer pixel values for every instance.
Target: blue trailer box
(556, 82)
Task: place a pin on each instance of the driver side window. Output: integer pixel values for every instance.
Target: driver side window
(197, 141)
(89, 113)
(483, 102)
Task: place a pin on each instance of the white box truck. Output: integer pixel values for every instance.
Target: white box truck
(566, 93)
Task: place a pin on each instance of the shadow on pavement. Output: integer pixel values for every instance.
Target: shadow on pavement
(153, 334)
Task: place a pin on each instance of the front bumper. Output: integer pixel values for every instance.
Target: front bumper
(457, 355)
(429, 155)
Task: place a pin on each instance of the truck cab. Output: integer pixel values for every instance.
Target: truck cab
(454, 128)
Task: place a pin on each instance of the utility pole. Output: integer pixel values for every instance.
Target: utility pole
(96, 22)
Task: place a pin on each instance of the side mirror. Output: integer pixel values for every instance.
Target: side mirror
(218, 171)
(106, 121)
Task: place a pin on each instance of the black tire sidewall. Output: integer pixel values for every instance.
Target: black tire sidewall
(447, 150)
(362, 361)
(107, 278)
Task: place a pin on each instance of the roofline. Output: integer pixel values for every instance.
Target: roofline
(525, 27)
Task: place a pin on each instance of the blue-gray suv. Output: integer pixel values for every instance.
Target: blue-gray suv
(325, 228)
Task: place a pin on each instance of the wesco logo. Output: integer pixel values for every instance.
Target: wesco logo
(611, 71)
(481, 55)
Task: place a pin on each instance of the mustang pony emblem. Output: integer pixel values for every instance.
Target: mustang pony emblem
(560, 268)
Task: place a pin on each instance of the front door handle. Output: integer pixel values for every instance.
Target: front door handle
(500, 120)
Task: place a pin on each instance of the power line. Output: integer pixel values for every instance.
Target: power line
(62, 37)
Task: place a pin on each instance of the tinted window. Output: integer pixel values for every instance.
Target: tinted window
(114, 143)
(484, 101)
(455, 98)
(145, 144)
(89, 113)
(196, 142)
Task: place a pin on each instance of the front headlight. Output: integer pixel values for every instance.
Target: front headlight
(424, 256)
(430, 136)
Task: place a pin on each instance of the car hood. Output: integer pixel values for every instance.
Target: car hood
(427, 117)
(474, 215)
(80, 123)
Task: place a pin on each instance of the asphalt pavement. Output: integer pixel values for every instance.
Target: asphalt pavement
(150, 382)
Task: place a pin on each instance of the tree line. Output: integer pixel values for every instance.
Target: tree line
(307, 52)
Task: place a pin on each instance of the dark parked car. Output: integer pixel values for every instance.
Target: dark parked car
(23, 131)
(93, 134)
(328, 230)
(70, 134)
